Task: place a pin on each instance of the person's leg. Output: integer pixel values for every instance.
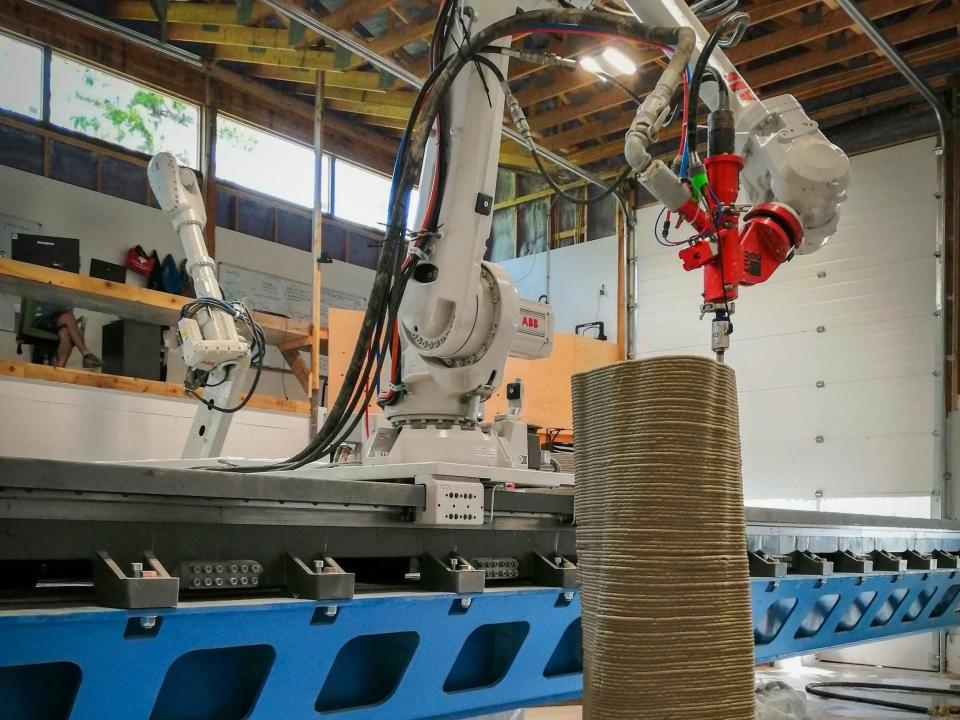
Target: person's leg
(69, 322)
(65, 347)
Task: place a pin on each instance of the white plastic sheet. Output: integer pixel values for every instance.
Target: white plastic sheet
(779, 701)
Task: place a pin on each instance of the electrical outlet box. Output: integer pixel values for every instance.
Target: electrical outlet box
(451, 502)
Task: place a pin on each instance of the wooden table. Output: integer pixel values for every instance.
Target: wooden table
(149, 306)
(127, 301)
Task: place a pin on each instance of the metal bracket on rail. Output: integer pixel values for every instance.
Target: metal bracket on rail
(845, 561)
(947, 560)
(553, 571)
(767, 566)
(804, 562)
(882, 560)
(148, 585)
(322, 579)
(917, 560)
(455, 574)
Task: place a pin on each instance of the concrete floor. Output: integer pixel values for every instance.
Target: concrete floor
(819, 709)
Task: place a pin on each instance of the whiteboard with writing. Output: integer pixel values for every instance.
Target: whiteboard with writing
(8, 226)
(282, 296)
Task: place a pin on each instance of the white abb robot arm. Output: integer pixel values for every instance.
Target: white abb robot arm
(786, 158)
(794, 179)
(461, 317)
(215, 355)
(449, 320)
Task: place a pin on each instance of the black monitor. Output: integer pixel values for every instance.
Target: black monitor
(54, 252)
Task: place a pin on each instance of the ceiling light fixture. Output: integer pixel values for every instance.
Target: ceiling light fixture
(591, 64)
(619, 62)
(610, 61)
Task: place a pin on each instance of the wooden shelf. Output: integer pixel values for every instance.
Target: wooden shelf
(127, 301)
(85, 378)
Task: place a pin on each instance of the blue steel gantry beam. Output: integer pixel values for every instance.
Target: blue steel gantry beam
(403, 656)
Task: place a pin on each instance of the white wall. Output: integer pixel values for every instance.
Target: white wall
(62, 421)
(576, 274)
(876, 356)
(65, 422)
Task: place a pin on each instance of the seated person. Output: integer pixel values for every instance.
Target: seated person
(60, 319)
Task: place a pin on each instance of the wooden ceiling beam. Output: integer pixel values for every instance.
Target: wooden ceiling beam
(371, 110)
(353, 79)
(211, 34)
(744, 52)
(834, 22)
(383, 122)
(815, 88)
(394, 105)
(279, 57)
(879, 68)
(394, 39)
(591, 131)
(900, 32)
(910, 29)
(232, 92)
(863, 104)
(254, 37)
(570, 80)
(352, 12)
(574, 80)
(601, 101)
(771, 10)
(184, 12)
(219, 25)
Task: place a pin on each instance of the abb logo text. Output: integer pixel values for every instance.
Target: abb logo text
(530, 322)
(740, 88)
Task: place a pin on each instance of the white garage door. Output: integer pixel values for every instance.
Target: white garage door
(856, 317)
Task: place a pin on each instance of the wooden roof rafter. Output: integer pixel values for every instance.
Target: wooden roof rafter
(806, 47)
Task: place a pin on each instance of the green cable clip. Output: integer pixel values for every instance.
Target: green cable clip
(698, 180)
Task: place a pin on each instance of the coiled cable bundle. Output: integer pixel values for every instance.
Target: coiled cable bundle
(661, 542)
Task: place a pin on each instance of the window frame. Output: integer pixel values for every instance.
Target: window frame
(379, 226)
(327, 157)
(44, 78)
(202, 125)
(49, 53)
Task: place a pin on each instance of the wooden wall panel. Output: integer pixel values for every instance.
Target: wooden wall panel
(546, 382)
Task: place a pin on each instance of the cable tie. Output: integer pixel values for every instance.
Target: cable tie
(418, 252)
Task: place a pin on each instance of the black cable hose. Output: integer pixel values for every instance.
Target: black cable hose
(243, 403)
(693, 99)
(818, 690)
(425, 118)
(321, 445)
(258, 342)
(590, 200)
(723, 93)
(622, 85)
(554, 185)
(346, 399)
(385, 295)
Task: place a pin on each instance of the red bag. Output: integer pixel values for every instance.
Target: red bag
(138, 261)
